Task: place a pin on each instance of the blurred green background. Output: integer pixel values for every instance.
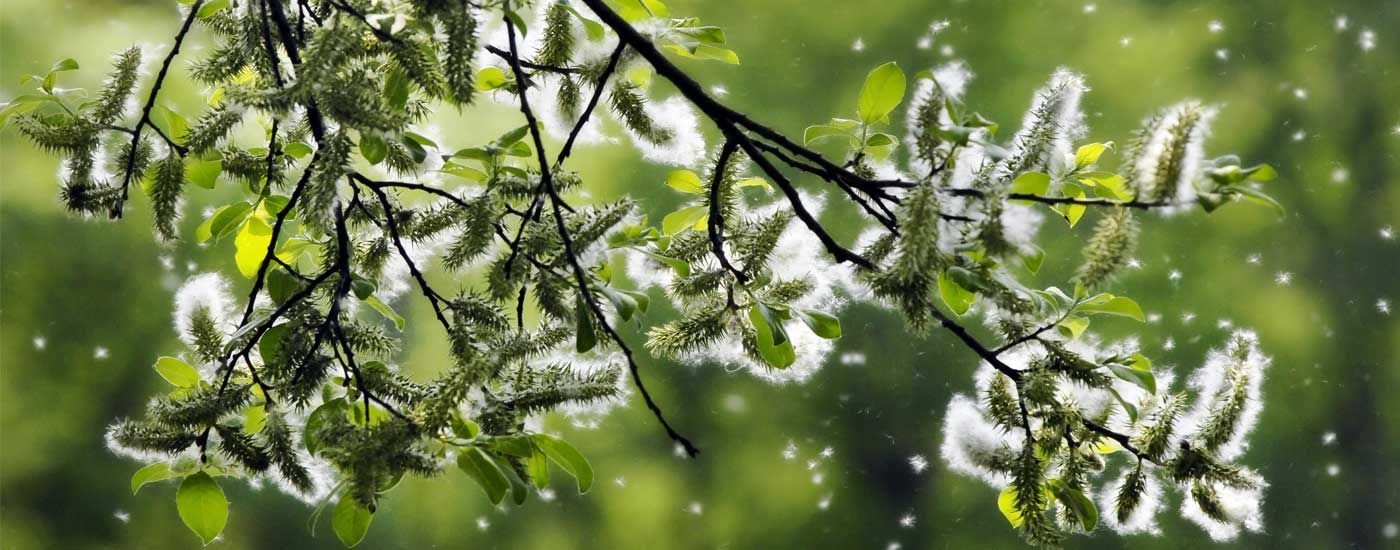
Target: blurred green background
(86, 304)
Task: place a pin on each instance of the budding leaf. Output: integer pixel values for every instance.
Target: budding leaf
(772, 340)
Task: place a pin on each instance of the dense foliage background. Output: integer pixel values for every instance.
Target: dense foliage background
(86, 303)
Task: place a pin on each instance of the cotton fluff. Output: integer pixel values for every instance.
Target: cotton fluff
(686, 146)
(969, 437)
(1143, 518)
(1212, 384)
(1242, 508)
(209, 291)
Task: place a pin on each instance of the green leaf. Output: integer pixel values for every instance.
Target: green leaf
(1114, 305)
(204, 173)
(251, 246)
(223, 222)
(464, 172)
(1031, 183)
(1078, 505)
(254, 417)
(1089, 154)
(685, 181)
(350, 520)
(957, 298)
(373, 149)
(297, 150)
(568, 458)
(704, 52)
(210, 8)
(281, 285)
(1142, 378)
(202, 506)
(270, 344)
(1127, 407)
(68, 64)
(883, 90)
(538, 467)
(1254, 195)
(159, 471)
(177, 372)
(1006, 502)
(170, 122)
(1262, 172)
(385, 310)
(490, 78)
(686, 218)
(822, 324)
(362, 287)
(771, 339)
(820, 131)
(1073, 327)
(474, 462)
(585, 337)
(593, 28)
(518, 490)
(320, 416)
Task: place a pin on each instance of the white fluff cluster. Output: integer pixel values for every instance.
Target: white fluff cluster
(1241, 359)
(686, 146)
(209, 291)
(1241, 506)
(1163, 139)
(1143, 519)
(1054, 109)
(969, 437)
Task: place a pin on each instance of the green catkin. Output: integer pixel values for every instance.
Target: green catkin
(111, 102)
(629, 105)
(1109, 249)
(165, 190)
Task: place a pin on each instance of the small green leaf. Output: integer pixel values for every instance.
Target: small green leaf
(1089, 154)
(1006, 502)
(1079, 505)
(251, 246)
(817, 132)
(350, 520)
(883, 90)
(772, 340)
(1031, 183)
(204, 173)
(1142, 378)
(490, 78)
(320, 416)
(567, 457)
(65, 65)
(385, 310)
(957, 298)
(538, 467)
(1114, 305)
(822, 324)
(202, 506)
(686, 218)
(685, 181)
(159, 471)
(586, 336)
(254, 417)
(210, 8)
(177, 372)
(1262, 172)
(373, 149)
(474, 462)
(1073, 327)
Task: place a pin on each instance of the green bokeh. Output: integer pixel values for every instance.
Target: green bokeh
(84, 284)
